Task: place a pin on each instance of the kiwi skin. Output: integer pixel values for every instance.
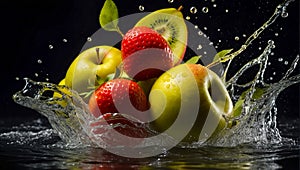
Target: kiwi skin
(169, 22)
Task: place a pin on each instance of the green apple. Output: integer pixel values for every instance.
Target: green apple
(90, 65)
(188, 102)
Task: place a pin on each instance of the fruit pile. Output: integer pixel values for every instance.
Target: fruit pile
(148, 80)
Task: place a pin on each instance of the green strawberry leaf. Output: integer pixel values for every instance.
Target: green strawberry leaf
(109, 16)
(193, 60)
(221, 54)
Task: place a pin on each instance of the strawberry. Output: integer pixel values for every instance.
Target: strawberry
(119, 95)
(145, 53)
(110, 128)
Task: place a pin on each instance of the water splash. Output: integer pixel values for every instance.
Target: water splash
(257, 121)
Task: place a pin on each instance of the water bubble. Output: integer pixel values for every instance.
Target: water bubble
(271, 78)
(274, 73)
(236, 38)
(205, 10)
(187, 17)
(89, 39)
(196, 27)
(50, 47)
(36, 74)
(259, 48)
(213, 0)
(220, 41)
(286, 62)
(226, 10)
(204, 52)
(216, 46)
(141, 8)
(272, 53)
(170, 1)
(244, 35)
(39, 61)
(219, 29)
(65, 40)
(214, 5)
(200, 33)
(17, 78)
(205, 28)
(193, 10)
(280, 59)
(47, 79)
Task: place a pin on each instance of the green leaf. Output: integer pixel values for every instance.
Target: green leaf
(258, 93)
(193, 60)
(221, 54)
(109, 16)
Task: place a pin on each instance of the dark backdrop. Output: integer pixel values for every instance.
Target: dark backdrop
(28, 27)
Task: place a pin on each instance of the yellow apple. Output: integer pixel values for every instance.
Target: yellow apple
(188, 103)
(90, 65)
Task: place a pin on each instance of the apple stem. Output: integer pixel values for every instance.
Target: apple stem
(98, 56)
(180, 8)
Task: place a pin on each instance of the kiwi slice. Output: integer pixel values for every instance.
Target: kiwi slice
(170, 24)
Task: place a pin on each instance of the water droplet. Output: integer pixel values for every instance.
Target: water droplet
(272, 53)
(214, 5)
(47, 79)
(36, 74)
(219, 29)
(205, 28)
(280, 59)
(204, 52)
(211, 43)
(269, 63)
(286, 62)
(17, 78)
(170, 1)
(244, 35)
(220, 41)
(199, 47)
(274, 73)
(39, 61)
(89, 39)
(65, 40)
(50, 47)
(236, 38)
(276, 34)
(205, 10)
(271, 78)
(193, 10)
(284, 14)
(187, 17)
(213, 0)
(226, 10)
(200, 33)
(141, 8)
(216, 46)
(259, 48)
(196, 26)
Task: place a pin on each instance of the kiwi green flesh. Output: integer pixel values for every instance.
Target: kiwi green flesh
(170, 24)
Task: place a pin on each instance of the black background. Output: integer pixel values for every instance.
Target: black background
(28, 27)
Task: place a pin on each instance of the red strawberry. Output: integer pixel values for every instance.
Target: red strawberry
(145, 53)
(115, 128)
(119, 95)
